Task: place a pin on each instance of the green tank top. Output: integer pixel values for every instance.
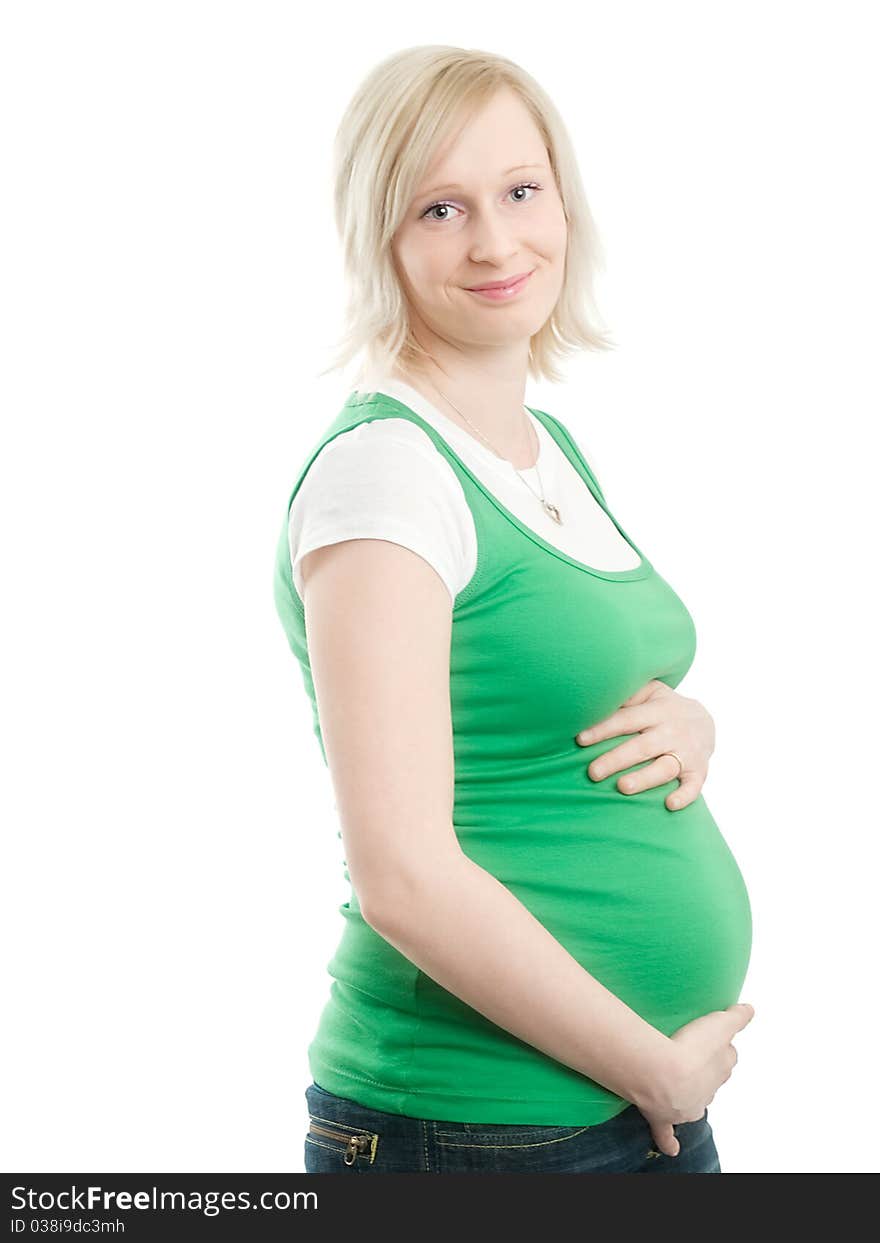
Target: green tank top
(651, 902)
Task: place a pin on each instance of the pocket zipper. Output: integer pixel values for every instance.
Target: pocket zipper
(354, 1144)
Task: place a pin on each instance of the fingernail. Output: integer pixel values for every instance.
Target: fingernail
(583, 736)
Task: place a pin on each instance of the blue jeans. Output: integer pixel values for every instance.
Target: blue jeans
(347, 1138)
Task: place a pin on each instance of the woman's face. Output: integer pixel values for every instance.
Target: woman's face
(488, 209)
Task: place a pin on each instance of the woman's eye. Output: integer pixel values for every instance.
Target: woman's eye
(530, 185)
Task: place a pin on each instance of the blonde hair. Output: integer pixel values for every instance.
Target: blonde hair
(397, 118)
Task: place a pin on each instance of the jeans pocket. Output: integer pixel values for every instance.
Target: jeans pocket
(335, 1129)
(494, 1135)
(349, 1143)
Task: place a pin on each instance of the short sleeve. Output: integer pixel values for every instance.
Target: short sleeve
(385, 479)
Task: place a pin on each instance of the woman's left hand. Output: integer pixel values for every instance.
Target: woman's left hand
(662, 720)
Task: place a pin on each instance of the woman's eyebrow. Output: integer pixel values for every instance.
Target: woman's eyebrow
(451, 185)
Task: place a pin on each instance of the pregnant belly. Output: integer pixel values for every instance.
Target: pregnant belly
(651, 902)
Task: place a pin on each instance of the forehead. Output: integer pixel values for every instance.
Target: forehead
(494, 140)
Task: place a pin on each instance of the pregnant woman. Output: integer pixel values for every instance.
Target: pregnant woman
(542, 954)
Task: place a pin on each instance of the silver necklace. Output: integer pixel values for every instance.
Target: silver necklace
(549, 508)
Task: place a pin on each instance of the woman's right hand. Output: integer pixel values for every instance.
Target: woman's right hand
(703, 1058)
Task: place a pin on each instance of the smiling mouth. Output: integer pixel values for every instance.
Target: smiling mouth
(503, 284)
(504, 293)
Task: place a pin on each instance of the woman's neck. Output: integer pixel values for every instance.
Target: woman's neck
(510, 436)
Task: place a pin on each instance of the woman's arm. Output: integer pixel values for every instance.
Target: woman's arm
(378, 620)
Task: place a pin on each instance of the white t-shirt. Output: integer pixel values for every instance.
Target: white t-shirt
(386, 479)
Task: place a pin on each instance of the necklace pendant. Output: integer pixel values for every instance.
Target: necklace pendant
(552, 511)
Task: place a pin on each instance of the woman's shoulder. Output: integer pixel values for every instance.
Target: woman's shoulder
(387, 450)
(376, 434)
(385, 479)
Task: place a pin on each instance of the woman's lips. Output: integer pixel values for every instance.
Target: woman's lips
(504, 293)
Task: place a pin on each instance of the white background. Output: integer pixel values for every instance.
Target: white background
(171, 286)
